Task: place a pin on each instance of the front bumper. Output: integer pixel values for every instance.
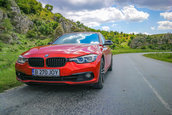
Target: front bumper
(71, 73)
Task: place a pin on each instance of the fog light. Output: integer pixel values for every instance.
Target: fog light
(88, 75)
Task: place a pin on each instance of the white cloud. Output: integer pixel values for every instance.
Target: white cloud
(165, 25)
(113, 25)
(43, 5)
(152, 28)
(106, 28)
(133, 32)
(133, 14)
(96, 16)
(75, 5)
(146, 33)
(167, 15)
(93, 18)
(151, 4)
(140, 33)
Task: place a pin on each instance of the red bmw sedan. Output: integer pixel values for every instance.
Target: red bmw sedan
(73, 58)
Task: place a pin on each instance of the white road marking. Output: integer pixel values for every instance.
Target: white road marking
(166, 105)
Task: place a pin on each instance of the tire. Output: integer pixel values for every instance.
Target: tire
(111, 65)
(99, 84)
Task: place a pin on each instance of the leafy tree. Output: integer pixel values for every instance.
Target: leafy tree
(49, 7)
(29, 6)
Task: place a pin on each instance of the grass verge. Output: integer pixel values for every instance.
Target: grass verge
(129, 50)
(7, 71)
(160, 56)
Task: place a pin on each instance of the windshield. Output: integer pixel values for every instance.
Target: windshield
(78, 38)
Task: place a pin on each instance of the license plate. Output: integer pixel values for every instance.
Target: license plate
(45, 72)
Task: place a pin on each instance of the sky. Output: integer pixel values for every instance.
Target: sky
(128, 16)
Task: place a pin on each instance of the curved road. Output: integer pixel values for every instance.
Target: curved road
(136, 86)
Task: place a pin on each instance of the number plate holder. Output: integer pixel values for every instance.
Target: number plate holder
(46, 72)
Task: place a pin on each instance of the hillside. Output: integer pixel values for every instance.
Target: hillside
(157, 42)
(22, 20)
(25, 23)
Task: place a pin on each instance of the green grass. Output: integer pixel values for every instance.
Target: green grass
(7, 70)
(129, 50)
(8, 57)
(160, 56)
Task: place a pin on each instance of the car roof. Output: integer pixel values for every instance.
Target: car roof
(83, 32)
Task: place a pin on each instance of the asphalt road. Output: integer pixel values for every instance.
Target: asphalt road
(136, 86)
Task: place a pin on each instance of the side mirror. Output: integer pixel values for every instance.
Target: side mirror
(50, 43)
(108, 42)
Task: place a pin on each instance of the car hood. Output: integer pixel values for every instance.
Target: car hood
(62, 50)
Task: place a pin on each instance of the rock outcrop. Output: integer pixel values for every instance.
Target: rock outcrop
(1, 15)
(163, 42)
(21, 23)
(67, 26)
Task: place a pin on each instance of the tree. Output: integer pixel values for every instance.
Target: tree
(2, 3)
(29, 6)
(49, 7)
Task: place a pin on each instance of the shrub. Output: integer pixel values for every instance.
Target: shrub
(39, 43)
(49, 7)
(31, 33)
(143, 47)
(4, 3)
(6, 23)
(5, 37)
(29, 6)
(1, 46)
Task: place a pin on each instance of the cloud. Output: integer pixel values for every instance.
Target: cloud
(106, 28)
(132, 14)
(167, 15)
(113, 25)
(74, 5)
(146, 33)
(94, 18)
(151, 4)
(140, 33)
(165, 25)
(134, 32)
(152, 28)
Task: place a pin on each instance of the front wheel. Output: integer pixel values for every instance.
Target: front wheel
(99, 84)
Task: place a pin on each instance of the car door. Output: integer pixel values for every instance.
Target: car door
(106, 52)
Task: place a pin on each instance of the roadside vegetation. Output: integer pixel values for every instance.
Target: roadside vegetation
(160, 56)
(8, 56)
(130, 50)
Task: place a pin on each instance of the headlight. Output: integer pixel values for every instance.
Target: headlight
(22, 59)
(84, 59)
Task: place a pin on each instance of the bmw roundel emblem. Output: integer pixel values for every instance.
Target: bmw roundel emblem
(46, 55)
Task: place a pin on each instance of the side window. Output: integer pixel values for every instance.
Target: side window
(102, 38)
